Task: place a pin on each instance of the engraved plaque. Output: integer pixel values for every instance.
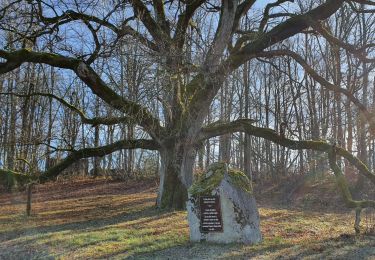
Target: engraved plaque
(211, 220)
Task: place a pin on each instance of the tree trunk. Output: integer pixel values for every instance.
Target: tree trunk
(247, 141)
(29, 188)
(11, 153)
(176, 175)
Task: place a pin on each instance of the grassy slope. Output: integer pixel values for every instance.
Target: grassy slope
(97, 219)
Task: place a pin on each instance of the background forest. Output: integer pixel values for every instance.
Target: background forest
(112, 112)
(38, 125)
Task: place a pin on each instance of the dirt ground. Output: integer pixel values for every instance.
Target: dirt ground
(104, 219)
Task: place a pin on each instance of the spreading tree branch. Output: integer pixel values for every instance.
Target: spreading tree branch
(242, 9)
(322, 81)
(204, 92)
(284, 30)
(7, 177)
(161, 37)
(121, 31)
(245, 125)
(222, 36)
(85, 119)
(343, 185)
(97, 152)
(266, 14)
(358, 52)
(140, 114)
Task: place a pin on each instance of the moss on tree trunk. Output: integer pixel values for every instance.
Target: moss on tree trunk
(175, 167)
(174, 194)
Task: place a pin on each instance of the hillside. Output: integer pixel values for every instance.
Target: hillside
(101, 219)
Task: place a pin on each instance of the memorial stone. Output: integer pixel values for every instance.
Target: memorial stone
(221, 207)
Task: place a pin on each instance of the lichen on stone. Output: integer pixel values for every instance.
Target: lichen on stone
(216, 172)
(239, 179)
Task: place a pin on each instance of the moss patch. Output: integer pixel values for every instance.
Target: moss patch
(239, 179)
(215, 173)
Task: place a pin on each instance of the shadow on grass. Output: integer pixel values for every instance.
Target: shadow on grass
(341, 247)
(207, 250)
(90, 238)
(126, 225)
(97, 222)
(94, 224)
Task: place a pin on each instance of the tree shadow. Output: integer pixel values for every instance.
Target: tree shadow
(342, 247)
(37, 243)
(96, 223)
(207, 250)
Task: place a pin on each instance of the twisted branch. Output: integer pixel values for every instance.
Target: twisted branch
(245, 125)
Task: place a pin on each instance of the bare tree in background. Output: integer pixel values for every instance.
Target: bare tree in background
(87, 34)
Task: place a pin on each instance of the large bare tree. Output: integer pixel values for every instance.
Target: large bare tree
(163, 29)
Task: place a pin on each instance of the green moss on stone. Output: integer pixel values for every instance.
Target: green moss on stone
(239, 179)
(211, 179)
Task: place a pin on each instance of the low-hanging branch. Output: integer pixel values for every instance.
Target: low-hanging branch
(139, 113)
(343, 184)
(245, 125)
(77, 155)
(97, 152)
(8, 178)
(217, 129)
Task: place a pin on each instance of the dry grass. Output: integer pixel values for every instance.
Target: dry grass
(95, 219)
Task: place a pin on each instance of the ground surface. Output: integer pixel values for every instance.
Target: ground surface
(99, 219)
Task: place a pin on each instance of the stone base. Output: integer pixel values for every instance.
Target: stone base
(239, 214)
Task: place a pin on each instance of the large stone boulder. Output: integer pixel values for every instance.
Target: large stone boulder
(239, 220)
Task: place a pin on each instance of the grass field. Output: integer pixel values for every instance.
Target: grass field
(98, 219)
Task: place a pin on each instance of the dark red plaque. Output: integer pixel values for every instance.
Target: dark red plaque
(211, 220)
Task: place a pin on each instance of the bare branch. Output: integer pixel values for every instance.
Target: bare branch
(95, 53)
(140, 10)
(365, 2)
(124, 29)
(323, 82)
(266, 14)
(344, 187)
(358, 52)
(183, 22)
(245, 125)
(81, 154)
(242, 9)
(222, 36)
(140, 114)
(97, 152)
(284, 30)
(86, 120)
(296, 24)
(309, 70)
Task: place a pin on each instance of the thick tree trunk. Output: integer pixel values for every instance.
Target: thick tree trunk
(176, 175)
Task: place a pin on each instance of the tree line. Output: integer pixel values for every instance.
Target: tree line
(177, 85)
